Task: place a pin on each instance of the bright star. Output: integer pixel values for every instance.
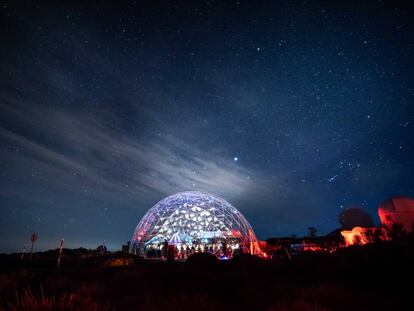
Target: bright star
(236, 159)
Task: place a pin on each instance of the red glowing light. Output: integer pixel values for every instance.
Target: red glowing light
(362, 236)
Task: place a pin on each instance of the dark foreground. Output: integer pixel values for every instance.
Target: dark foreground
(372, 277)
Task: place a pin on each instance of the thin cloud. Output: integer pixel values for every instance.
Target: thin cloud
(111, 160)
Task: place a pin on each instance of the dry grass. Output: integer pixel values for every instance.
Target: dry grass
(29, 301)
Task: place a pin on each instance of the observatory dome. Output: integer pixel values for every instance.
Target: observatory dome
(355, 217)
(397, 210)
(193, 219)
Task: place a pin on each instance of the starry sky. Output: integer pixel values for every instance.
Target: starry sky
(290, 110)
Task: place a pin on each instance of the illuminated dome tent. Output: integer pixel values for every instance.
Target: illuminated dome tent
(194, 221)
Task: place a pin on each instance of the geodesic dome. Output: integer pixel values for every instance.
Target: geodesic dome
(192, 217)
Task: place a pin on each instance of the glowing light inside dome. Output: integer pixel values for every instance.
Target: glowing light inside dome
(194, 220)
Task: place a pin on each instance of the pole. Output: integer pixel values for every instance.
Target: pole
(102, 252)
(24, 250)
(33, 239)
(60, 253)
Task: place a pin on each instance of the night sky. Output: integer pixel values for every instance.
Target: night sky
(290, 110)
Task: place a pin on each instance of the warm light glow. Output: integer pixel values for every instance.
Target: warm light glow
(397, 210)
(312, 247)
(362, 236)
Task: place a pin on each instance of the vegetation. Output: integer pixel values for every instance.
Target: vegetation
(369, 277)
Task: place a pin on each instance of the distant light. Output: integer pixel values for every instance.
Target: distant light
(258, 49)
(236, 159)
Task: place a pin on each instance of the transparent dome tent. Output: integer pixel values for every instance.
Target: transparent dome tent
(194, 221)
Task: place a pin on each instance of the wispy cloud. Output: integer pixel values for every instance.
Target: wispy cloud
(93, 150)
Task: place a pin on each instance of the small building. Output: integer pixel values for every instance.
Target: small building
(397, 210)
(362, 236)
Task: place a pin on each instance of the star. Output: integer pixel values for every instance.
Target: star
(329, 128)
(332, 179)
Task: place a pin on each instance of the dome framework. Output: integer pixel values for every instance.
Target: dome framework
(194, 219)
